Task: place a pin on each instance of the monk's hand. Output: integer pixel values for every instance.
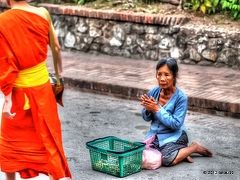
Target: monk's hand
(7, 106)
(149, 103)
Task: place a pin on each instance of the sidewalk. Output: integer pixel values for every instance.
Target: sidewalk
(210, 89)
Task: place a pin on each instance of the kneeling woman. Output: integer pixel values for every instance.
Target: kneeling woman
(165, 107)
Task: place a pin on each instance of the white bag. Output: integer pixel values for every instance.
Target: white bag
(151, 158)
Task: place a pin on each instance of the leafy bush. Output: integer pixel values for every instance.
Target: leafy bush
(205, 6)
(233, 6)
(214, 6)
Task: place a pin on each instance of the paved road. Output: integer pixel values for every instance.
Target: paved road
(88, 116)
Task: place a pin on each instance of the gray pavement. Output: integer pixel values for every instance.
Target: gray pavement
(210, 89)
(88, 116)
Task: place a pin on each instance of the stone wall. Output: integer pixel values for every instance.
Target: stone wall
(145, 36)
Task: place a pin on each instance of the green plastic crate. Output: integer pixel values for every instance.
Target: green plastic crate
(115, 156)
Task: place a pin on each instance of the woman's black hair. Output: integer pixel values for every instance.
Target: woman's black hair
(172, 65)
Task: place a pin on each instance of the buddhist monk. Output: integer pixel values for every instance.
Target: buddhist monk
(31, 139)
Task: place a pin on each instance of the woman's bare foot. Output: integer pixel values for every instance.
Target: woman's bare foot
(201, 150)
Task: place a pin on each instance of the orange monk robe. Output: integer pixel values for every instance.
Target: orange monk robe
(31, 143)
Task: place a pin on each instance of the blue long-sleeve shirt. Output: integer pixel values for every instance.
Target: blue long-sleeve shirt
(168, 122)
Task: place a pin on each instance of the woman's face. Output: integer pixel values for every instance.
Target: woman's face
(164, 77)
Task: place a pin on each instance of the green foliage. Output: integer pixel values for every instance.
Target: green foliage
(214, 6)
(233, 6)
(205, 6)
